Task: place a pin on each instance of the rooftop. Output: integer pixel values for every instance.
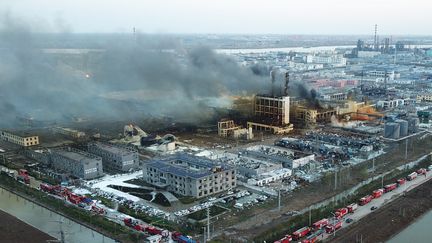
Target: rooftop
(114, 149)
(75, 154)
(20, 133)
(187, 166)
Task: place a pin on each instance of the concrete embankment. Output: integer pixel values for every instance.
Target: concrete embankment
(15, 230)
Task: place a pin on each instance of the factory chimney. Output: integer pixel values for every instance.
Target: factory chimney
(286, 83)
(273, 80)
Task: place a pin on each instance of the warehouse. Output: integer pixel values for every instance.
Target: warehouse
(77, 163)
(21, 138)
(115, 157)
(189, 175)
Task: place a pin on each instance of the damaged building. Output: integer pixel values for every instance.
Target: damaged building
(272, 113)
(227, 128)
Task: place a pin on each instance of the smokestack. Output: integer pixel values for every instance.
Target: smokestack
(286, 83)
(273, 80)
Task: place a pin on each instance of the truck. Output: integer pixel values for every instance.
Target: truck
(301, 233)
(377, 193)
(412, 176)
(421, 171)
(320, 224)
(153, 230)
(352, 207)
(401, 181)
(365, 200)
(23, 176)
(46, 188)
(286, 239)
(333, 227)
(341, 212)
(179, 237)
(315, 237)
(140, 227)
(130, 222)
(390, 187)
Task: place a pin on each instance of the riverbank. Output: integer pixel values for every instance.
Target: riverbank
(94, 222)
(14, 230)
(391, 219)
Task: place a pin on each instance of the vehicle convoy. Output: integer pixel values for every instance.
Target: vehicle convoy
(377, 193)
(301, 233)
(390, 187)
(317, 228)
(365, 200)
(412, 176)
(341, 212)
(352, 207)
(320, 224)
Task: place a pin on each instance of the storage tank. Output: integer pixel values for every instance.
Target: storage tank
(413, 125)
(392, 130)
(403, 127)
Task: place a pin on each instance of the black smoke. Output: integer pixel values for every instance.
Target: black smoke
(126, 77)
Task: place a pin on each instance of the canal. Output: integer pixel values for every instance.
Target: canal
(48, 221)
(419, 231)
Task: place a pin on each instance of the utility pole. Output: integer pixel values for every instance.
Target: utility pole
(335, 185)
(406, 150)
(310, 216)
(279, 199)
(208, 223)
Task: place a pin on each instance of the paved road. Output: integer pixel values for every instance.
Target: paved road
(362, 211)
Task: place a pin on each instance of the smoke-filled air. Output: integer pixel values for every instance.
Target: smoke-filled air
(116, 76)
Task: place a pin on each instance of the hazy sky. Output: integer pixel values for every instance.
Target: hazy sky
(227, 16)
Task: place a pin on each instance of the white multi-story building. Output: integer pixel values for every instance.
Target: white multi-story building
(190, 175)
(335, 60)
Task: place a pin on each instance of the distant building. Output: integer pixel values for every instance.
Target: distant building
(189, 175)
(390, 104)
(335, 60)
(21, 138)
(69, 132)
(424, 97)
(77, 163)
(115, 157)
(368, 54)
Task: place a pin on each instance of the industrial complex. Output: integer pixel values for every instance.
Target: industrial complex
(319, 128)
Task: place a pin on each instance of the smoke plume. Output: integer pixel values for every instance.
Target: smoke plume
(126, 77)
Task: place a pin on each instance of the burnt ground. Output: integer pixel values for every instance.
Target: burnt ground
(13, 230)
(389, 219)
